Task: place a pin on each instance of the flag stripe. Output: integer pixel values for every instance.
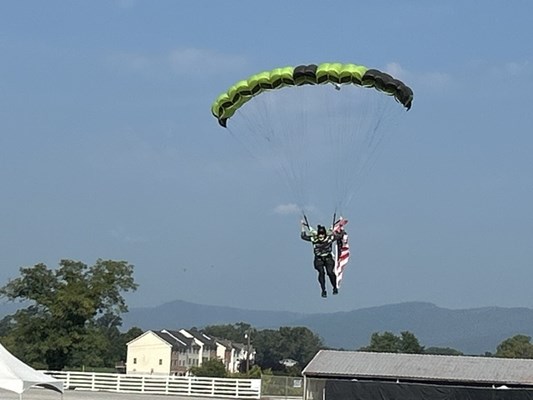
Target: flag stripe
(342, 252)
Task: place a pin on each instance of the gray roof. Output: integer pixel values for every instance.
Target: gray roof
(176, 339)
(420, 367)
(205, 339)
(238, 346)
(224, 342)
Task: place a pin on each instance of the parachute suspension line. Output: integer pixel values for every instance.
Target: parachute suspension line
(293, 150)
(357, 118)
(306, 221)
(323, 139)
(347, 113)
(296, 157)
(278, 141)
(337, 130)
(385, 114)
(254, 130)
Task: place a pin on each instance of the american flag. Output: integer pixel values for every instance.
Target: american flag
(342, 250)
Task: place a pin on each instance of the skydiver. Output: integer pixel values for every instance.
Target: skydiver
(322, 241)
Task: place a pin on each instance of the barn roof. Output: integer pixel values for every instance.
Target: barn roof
(420, 367)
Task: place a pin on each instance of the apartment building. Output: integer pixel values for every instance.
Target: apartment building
(174, 352)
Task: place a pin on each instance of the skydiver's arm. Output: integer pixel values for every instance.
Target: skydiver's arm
(304, 235)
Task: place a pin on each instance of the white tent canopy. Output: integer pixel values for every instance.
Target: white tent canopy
(18, 377)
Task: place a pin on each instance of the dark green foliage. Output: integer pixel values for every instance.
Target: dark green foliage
(73, 316)
(387, 342)
(445, 351)
(213, 368)
(410, 344)
(235, 333)
(272, 346)
(518, 346)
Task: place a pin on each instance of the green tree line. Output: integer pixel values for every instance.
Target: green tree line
(73, 313)
(72, 318)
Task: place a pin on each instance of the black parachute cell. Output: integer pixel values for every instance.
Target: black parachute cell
(305, 74)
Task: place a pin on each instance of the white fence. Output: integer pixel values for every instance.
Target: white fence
(158, 384)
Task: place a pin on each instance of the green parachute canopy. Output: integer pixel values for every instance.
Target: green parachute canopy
(320, 126)
(336, 73)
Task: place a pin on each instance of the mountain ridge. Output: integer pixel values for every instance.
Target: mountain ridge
(473, 331)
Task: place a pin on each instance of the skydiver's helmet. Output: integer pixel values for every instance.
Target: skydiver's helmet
(321, 232)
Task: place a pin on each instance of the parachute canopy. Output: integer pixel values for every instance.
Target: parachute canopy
(320, 126)
(227, 103)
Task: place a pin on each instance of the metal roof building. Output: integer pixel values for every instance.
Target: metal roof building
(333, 374)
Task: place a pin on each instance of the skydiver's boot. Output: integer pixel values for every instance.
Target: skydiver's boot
(324, 293)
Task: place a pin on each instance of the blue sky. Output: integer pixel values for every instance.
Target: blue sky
(108, 149)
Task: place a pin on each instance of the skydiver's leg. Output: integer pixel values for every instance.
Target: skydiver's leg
(330, 269)
(319, 266)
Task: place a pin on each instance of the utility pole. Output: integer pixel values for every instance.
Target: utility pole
(247, 337)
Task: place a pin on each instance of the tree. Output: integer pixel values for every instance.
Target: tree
(266, 345)
(68, 310)
(298, 343)
(410, 344)
(235, 333)
(445, 351)
(213, 368)
(272, 346)
(119, 347)
(387, 342)
(518, 346)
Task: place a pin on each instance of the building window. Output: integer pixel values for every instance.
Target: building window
(160, 361)
(135, 361)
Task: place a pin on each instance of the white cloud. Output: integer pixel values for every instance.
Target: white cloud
(184, 61)
(396, 70)
(287, 209)
(192, 60)
(433, 80)
(511, 69)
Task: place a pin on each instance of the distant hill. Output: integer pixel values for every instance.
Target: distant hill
(472, 331)
(182, 314)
